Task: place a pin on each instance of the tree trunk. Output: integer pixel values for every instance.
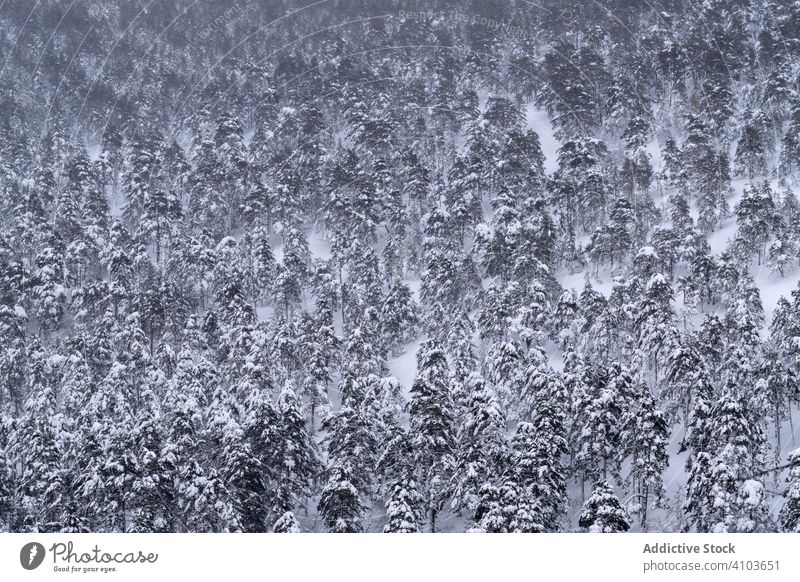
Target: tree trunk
(644, 511)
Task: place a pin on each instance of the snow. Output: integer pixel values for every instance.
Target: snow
(56, 360)
(247, 136)
(404, 366)
(225, 242)
(773, 287)
(318, 246)
(653, 149)
(604, 283)
(752, 491)
(93, 151)
(264, 312)
(657, 280)
(539, 121)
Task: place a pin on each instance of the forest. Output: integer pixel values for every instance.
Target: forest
(399, 266)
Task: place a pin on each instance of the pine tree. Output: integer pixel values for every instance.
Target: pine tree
(489, 513)
(107, 463)
(161, 212)
(261, 425)
(111, 158)
(757, 220)
(481, 445)
(321, 355)
(790, 144)
(296, 466)
(151, 488)
(6, 485)
(537, 449)
(654, 321)
(239, 470)
(737, 440)
(598, 407)
(779, 256)
(351, 453)
(778, 386)
(398, 316)
(646, 434)
(404, 505)
(287, 523)
(504, 369)
(733, 426)
(242, 473)
(48, 291)
(709, 172)
(699, 501)
(790, 514)
(431, 420)
(679, 213)
(674, 172)
(685, 376)
(138, 176)
(711, 342)
(401, 513)
(207, 191)
(698, 436)
(230, 149)
(341, 505)
(602, 512)
(202, 502)
(39, 446)
(752, 147)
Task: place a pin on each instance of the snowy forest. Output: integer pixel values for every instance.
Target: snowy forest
(399, 266)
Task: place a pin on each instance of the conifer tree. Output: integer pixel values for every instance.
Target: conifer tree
(296, 467)
(398, 315)
(404, 505)
(401, 509)
(600, 406)
(481, 444)
(790, 514)
(151, 488)
(287, 523)
(602, 512)
(431, 419)
(699, 500)
(341, 505)
(646, 434)
(38, 445)
(6, 484)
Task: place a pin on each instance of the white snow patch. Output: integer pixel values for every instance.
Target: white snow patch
(539, 121)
